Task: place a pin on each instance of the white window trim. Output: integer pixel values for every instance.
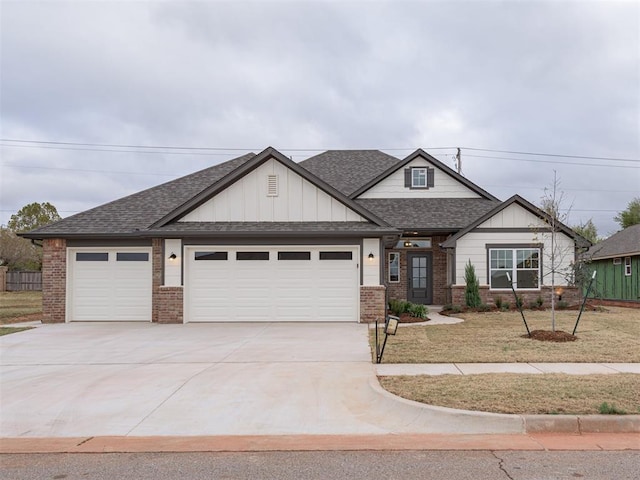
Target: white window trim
(627, 266)
(413, 177)
(514, 268)
(397, 254)
(617, 261)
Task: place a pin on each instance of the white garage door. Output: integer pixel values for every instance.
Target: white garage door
(109, 284)
(282, 284)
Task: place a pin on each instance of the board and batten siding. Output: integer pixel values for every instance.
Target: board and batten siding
(611, 281)
(472, 246)
(371, 267)
(445, 186)
(248, 200)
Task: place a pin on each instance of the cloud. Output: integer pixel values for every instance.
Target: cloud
(559, 77)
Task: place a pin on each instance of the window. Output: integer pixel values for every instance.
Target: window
(394, 267)
(627, 266)
(414, 243)
(211, 256)
(132, 257)
(294, 255)
(419, 177)
(336, 255)
(617, 261)
(92, 257)
(252, 255)
(522, 264)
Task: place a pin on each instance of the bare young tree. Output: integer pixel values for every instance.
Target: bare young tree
(559, 256)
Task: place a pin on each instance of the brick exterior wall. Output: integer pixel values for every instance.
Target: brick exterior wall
(373, 304)
(399, 291)
(157, 277)
(170, 304)
(571, 295)
(54, 280)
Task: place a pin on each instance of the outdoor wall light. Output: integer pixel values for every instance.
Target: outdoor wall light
(371, 257)
(559, 292)
(172, 256)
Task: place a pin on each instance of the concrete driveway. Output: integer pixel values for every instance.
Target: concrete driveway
(143, 379)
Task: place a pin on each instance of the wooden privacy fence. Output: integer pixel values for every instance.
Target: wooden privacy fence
(17, 281)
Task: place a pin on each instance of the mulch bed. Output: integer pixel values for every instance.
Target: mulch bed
(549, 336)
(23, 318)
(408, 318)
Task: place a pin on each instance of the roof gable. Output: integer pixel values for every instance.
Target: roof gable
(266, 155)
(505, 209)
(419, 153)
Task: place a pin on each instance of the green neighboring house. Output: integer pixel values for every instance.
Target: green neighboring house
(617, 261)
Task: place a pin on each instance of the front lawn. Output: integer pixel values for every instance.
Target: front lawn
(20, 307)
(609, 336)
(8, 330)
(523, 394)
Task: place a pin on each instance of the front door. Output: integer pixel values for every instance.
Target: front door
(419, 274)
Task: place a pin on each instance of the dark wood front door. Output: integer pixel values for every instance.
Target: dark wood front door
(420, 277)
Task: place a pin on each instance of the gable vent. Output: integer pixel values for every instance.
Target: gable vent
(272, 185)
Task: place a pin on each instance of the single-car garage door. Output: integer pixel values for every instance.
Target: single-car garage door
(254, 284)
(109, 284)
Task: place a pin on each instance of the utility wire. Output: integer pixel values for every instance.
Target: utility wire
(234, 149)
(555, 162)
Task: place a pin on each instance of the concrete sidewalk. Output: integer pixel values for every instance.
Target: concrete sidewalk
(479, 368)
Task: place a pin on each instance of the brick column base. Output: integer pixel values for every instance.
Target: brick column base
(373, 303)
(169, 304)
(54, 280)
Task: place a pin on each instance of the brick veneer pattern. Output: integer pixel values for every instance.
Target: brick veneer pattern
(372, 303)
(54, 280)
(170, 304)
(571, 295)
(156, 282)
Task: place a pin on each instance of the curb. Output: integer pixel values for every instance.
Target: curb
(474, 422)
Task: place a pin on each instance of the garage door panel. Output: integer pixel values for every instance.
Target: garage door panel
(294, 286)
(111, 289)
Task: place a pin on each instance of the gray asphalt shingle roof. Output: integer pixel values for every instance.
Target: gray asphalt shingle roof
(348, 170)
(428, 213)
(345, 170)
(624, 243)
(140, 210)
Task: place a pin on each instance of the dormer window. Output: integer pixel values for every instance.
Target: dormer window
(419, 178)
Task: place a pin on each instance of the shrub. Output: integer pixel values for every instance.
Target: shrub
(606, 409)
(472, 288)
(483, 307)
(505, 306)
(498, 302)
(455, 309)
(398, 307)
(539, 301)
(562, 305)
(418, 310)
(519, 302)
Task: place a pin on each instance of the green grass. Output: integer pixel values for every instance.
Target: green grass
(15, 306)
(8, 330)
(609, 336)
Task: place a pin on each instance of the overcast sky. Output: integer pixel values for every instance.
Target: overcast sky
(542, 77)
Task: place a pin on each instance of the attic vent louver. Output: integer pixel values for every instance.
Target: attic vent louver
(272, 185)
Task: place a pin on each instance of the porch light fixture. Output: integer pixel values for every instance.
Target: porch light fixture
(172, 256)
(371, 256)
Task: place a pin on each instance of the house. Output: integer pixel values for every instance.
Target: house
(617, 263)
(261, 238)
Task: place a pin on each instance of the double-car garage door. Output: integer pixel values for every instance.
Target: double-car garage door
(252, 284)
(234, 284)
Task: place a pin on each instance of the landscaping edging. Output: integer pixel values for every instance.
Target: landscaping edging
(422, 418)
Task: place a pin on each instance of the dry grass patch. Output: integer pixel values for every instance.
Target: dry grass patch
(20, 306)
(609, 336)
(521, 394)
